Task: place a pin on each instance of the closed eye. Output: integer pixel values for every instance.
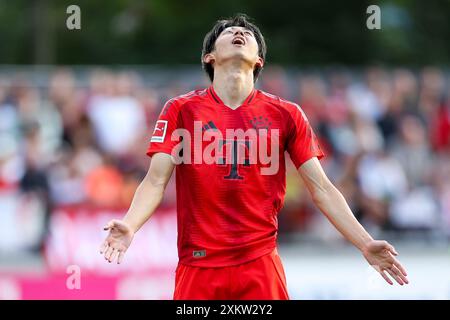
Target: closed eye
(246, 32)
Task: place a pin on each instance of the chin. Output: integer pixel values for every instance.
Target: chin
(239, 53)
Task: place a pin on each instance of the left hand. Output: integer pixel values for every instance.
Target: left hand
(381, 256)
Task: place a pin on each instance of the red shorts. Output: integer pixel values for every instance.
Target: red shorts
(259, 279)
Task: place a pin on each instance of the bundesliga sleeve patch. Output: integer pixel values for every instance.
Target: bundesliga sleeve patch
(160, 131)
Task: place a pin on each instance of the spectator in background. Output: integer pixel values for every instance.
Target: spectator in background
(403, 97)
(118, 118)
(34, 183)
(66, 180)
(440, 126)
(441, 183)
(104, 185)
(313, 98)
(412, 150)
(73, 164)
(67, 99)
(11, 163)
(382, 180)
(431, 92)
(363, 98)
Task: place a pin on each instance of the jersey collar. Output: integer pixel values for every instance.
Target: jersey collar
(213, 95)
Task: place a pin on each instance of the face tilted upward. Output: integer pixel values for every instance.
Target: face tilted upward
(236, 43)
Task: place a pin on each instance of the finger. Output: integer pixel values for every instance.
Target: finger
(113, 255)
(103, 247)
(400, 267)
(395, 277)
(399, 274)
(391, 249)
(120, 257)
(385, 277)
(108, 252)
(109, 225)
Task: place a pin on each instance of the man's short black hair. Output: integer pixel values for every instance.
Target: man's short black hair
(240, 20)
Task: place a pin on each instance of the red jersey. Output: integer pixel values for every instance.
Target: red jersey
(227, 210)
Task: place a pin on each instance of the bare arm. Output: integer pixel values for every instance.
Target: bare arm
(146, 199)
(150, 192)
(330, 201)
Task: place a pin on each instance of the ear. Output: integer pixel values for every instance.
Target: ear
(209, 58)
(259, 62)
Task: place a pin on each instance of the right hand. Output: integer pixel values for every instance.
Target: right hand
(118, 240)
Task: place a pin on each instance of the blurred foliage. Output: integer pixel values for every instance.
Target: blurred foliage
(171, 32)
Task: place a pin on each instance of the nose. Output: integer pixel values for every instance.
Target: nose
(239, 32)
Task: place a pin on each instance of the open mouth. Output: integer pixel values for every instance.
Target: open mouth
(239, 41)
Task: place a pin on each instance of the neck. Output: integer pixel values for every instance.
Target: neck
(233, 84)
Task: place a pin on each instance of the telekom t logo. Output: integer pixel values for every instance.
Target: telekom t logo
(235, 148)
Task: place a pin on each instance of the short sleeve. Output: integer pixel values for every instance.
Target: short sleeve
(302, 143)
(168, 120)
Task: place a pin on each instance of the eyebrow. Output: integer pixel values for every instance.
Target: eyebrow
(234, 27)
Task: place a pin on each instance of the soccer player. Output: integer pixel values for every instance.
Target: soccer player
(228, 195)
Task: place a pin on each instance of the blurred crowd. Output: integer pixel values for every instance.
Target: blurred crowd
(71, 138)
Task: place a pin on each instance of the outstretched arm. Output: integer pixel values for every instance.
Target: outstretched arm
(379, 254)
(146, 199)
